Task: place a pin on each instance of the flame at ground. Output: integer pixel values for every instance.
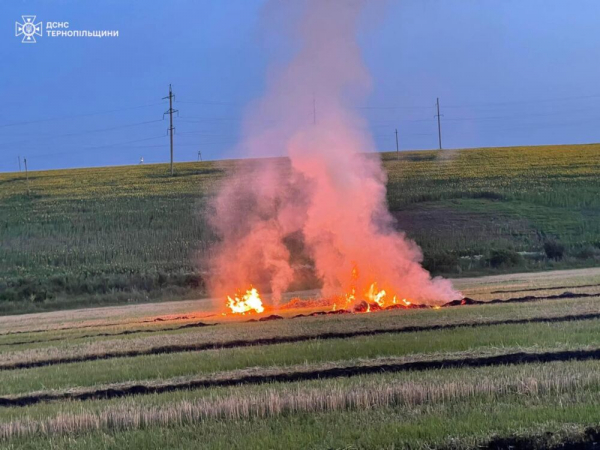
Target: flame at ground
(376, 296)
(250, 302)
(358, 300)
(360, 297)
(382, 298)
(372, 296)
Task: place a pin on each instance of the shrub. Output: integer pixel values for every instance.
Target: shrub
(441, 262)
(588, 252)
(504, 258)
(554, 250)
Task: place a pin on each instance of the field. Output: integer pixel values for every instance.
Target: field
(133, 234)
(525, 372)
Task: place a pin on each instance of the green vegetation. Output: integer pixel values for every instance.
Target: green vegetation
(388, 428)
(545, 404)
(411, 399)
(131, 234)
(441, 344)
(457, 424)
(471, 203)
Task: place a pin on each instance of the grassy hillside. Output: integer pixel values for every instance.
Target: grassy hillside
(91, 236)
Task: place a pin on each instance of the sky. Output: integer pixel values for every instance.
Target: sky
(507, 72)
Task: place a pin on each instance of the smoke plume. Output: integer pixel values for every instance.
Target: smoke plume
(331, 191)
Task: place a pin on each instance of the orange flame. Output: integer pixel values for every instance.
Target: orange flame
(351, 297)
(249, 303)
(376, 296)
(373, 296)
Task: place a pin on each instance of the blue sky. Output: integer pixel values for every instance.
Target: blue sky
(508, 72)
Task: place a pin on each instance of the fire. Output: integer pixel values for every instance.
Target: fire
(371, 297)
(376, 296)
(351, 297)
(358, 298)
(248, 303)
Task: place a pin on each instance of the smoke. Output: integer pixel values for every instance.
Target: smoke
(331, 192)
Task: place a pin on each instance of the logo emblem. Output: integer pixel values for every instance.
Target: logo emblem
(29, 29)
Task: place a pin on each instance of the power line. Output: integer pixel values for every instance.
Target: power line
(207, 102)
(387, 107)
(83, 132)
(78, 115)
(178, 145)
(123, 143)
(518, 116)
(367, 107)
(391, 122)
(26, 175)
(203, 133)
(525, 102)
(439, 123)
(475, 105)
(210, 119)
(170, 112)
(535, 126)
(99, 147)
(216, 138)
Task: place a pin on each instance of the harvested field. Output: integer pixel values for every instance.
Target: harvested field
(529, 342)
(304, 373)
(284, 340)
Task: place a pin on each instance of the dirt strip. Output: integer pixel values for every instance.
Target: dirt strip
(100, 325)
(287, 375)
(118, 333)
(462, 302)
(287, 339)
(587, 440)
(549, 288)
(526, 299)
(77, 327)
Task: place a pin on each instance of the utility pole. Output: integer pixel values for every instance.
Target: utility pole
(19, 163)
(171, 128)
(439, 123)
(397, 148)
(26, 175)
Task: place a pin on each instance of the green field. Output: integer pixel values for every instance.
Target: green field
(132, 234)
(469, 377)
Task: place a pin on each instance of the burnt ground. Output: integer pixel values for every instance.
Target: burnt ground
(289, 339)
(463, 302)
(551, 288)
(118, 333)
(588, 440)
(527, 298)
(291, 376)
